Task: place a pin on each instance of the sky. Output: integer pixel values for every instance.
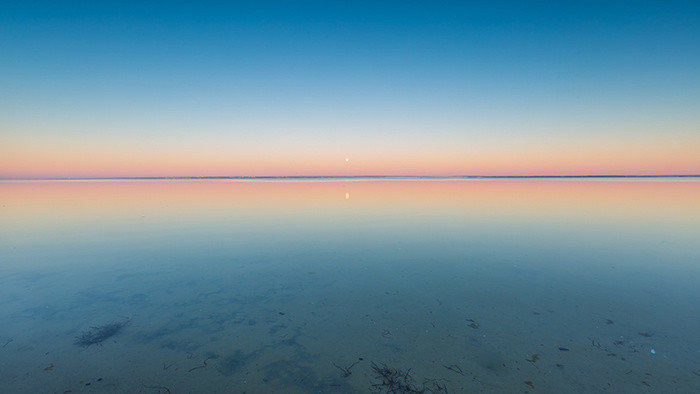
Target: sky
(148, 88)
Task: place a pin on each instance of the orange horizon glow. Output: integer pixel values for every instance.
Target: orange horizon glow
(66, 162)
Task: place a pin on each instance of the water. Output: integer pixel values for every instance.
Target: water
(282, 286)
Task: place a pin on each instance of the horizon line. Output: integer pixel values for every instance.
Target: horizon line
(350, 177)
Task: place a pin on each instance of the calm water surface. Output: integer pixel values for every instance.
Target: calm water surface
(280, 286)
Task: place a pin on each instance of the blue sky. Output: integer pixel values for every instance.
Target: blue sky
(360, 78)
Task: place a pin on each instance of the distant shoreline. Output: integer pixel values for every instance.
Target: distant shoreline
(365, 177)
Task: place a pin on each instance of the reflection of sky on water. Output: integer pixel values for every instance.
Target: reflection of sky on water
(585, 216)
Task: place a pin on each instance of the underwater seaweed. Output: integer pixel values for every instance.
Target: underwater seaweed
(396, 381)
(96, 335)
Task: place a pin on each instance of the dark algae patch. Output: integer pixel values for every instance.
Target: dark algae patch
(96, 335)
(392, 380)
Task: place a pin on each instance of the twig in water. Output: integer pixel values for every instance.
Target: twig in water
(345, 370)
(167, 390)
(455, 368)
(201, 366)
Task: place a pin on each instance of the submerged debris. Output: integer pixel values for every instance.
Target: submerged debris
(534, 358)
(96, 335)
(396, 381)
(161, 389)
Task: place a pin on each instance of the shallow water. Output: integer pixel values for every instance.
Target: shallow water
(278, 286)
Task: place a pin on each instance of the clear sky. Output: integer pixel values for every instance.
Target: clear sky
(200, 88)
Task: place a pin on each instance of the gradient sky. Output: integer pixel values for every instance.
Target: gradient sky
(400, 88)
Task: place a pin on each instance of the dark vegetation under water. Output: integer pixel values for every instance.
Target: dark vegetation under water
(96, 335)
(396, 381)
